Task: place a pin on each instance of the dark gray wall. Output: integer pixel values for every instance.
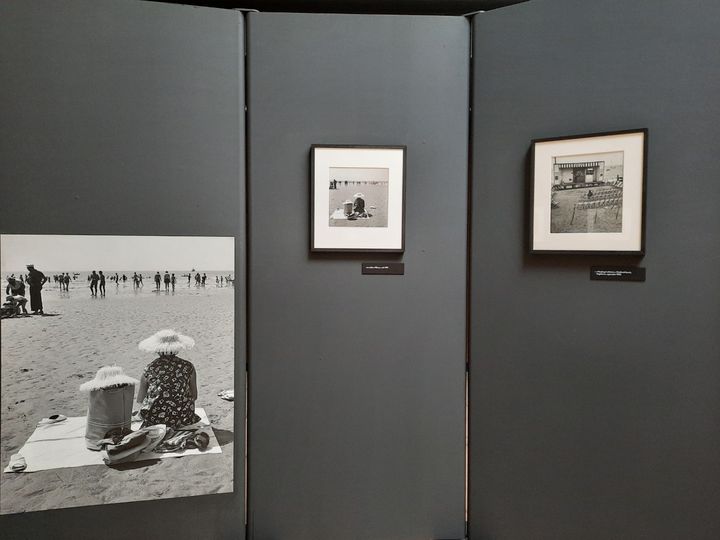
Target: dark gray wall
(125, 118)
(596, 405)
(356, 382)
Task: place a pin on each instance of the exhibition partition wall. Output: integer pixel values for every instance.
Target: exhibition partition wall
(123, 119)
(594, 405)
(356, 406)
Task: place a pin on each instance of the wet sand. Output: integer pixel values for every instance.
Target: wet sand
(45, 359)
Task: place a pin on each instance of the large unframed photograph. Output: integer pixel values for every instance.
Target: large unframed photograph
(117, 369)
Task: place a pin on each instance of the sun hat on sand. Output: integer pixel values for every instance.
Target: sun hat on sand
(166, 342)
(107, 377)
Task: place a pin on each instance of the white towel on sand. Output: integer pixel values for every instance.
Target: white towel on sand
(61, 445)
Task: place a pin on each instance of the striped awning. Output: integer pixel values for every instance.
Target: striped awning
(580, 165)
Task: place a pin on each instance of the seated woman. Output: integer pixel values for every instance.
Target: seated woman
(168, 386)
(359, 207)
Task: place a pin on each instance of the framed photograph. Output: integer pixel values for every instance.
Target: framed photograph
(588, 194)
(117, 354)
(357, 198)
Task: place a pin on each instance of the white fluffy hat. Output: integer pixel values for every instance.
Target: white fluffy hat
(106, 377)
(166, 342)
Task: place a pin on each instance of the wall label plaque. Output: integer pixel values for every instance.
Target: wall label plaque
(393, 268)
(617, 273)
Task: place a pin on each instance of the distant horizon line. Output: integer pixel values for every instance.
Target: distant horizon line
(117, 271)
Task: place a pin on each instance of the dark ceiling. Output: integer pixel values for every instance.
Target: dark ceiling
(419, 7)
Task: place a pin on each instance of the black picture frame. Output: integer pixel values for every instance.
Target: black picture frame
(540, 239)
(314, 247)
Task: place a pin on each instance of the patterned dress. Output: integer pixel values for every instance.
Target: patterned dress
(168, 400)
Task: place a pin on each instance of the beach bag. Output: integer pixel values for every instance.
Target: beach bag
(108, 409)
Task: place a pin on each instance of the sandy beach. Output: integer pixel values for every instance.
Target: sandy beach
(376, 195)
(566, 219)
(46, 358)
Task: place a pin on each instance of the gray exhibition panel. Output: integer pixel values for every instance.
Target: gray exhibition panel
(125, 118)
(356, 426)
(594, 405)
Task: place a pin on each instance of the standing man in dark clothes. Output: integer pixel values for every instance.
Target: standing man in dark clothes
(94, 278)
(102, 283)
(35, 279)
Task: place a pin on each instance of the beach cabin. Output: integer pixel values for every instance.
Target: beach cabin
(582, 172)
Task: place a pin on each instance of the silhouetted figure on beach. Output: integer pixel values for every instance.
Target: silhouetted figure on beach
(35, 280)
(166, 280)
(102, 283)
(94, 278)
(203, 279)
(173, 280)
(66, 281)
(197, 279)
(157, 281)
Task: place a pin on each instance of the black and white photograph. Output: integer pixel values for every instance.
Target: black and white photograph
(357, 198)
(588, 193)
(117, 369)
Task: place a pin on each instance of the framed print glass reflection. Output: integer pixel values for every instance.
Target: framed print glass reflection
(588, 193)
(357, 198)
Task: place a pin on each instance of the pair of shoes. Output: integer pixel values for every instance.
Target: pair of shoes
(200, 440)
(227, 395)
(54, 419)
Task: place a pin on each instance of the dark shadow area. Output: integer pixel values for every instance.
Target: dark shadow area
(403, 7)
(132, 465)
(224, 436)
